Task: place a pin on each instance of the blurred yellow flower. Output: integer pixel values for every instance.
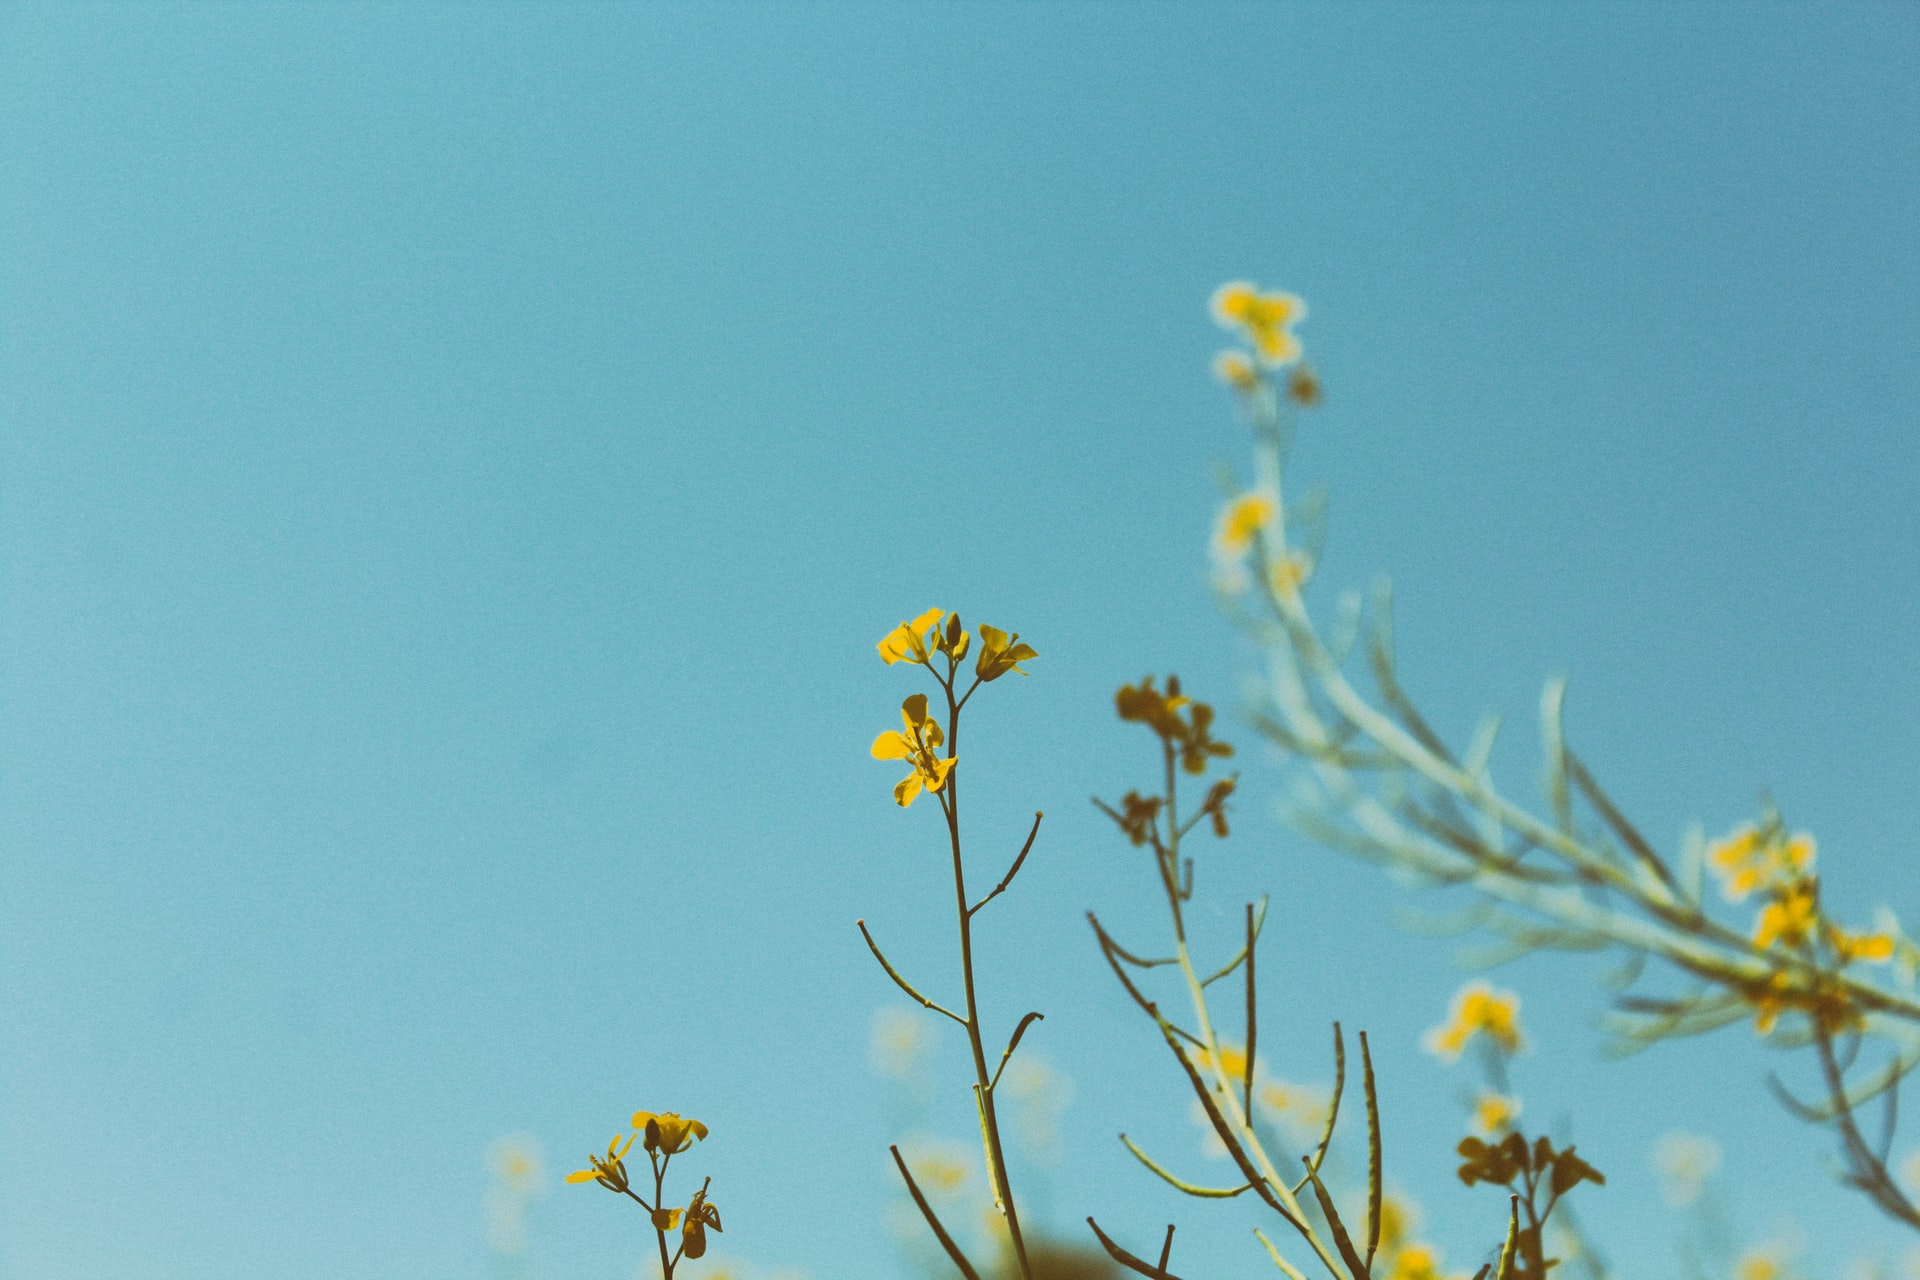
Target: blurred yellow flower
(908, 641)
(1237, 371)
(668, 1132)
(1290, 573)
(1478, 1010)
(609, 1171)
(1267, 319)
(900, 1042)
(1757, 1264)
(1685, 1162)
(919, 745)
(1416, 1262)
(1753, 857)
(1790, 919)
(1494, 1113)
(1874, 948)
(1399, 1218)
(1240, 521)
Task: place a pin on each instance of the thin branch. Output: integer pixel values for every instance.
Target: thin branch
(1127, 1260)
(1013, 1044)
(933, 1219)
(1373, 1151)
(1292, 1272)
(1205, 1193)
(1012, 871)
(901, 982)
(1253, 1028)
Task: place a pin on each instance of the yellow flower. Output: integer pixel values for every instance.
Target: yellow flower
(908, 641)
(693, 1229)
(1238, 372)
(668, 1133)
(1399, 1219)
(1790, 918)
(919, 745)
(1757, 1264)
(1240, 522)
(609, 1171)
(1416, 1262)
(1290, 573)
(1874, 948)
(1266, 318)
(1233, 1060)
(1477, 1010)
(1753, 858)
(1000, 653)
(1494, 1113)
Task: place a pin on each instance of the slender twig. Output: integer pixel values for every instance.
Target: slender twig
(1013, 1044)
(1012, 871)
(1130, 1262)
(901, 982)
(933, 1219)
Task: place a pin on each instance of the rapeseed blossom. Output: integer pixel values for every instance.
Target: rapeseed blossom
(1478, 1010)
(610, 1171)
(919, 745)
(668, 1133)
(908, 641)
(1267, 319)
(1760, 857)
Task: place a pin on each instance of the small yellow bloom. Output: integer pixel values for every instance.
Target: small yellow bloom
(1399, 1219)
(668, 1133)
(1000, 653)
(1240, 522)
(908, 641)
(1478, 1010)
(610, 1171)
(1495, 1113)
(1290, 573)
(1757, 1264)
(1416, 1262)
(1238, 372)
(920, 746)
(1266, 318)
(1233, 1060)
(1754, 858)
(1790, 918)
(1874, 948)
(693, 1228)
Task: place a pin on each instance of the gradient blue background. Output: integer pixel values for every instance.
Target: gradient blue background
(457, 461)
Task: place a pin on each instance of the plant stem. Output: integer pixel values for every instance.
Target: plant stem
(989, 1120)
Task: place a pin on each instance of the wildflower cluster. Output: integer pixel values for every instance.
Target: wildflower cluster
(662, 1136)
(1229, 1083)
(1576, 873)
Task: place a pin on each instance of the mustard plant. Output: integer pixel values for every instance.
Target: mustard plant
(1574, 873)
(1223, 1074)
(937, 642)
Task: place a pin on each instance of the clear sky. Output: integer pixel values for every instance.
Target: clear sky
(456, 461)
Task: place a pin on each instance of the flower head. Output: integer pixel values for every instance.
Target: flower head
(700, 1215)
(1478, 1010)
(919, 745)
(909, 641)
(1760, 857)
(668, 1133)
(610, 1170)
(1000, 653)
(1237, 371)
(1494, 1113)
(1239, 522)
(1791, 918)
(1267, 319)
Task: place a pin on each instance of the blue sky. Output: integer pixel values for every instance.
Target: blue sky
(455, 463)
